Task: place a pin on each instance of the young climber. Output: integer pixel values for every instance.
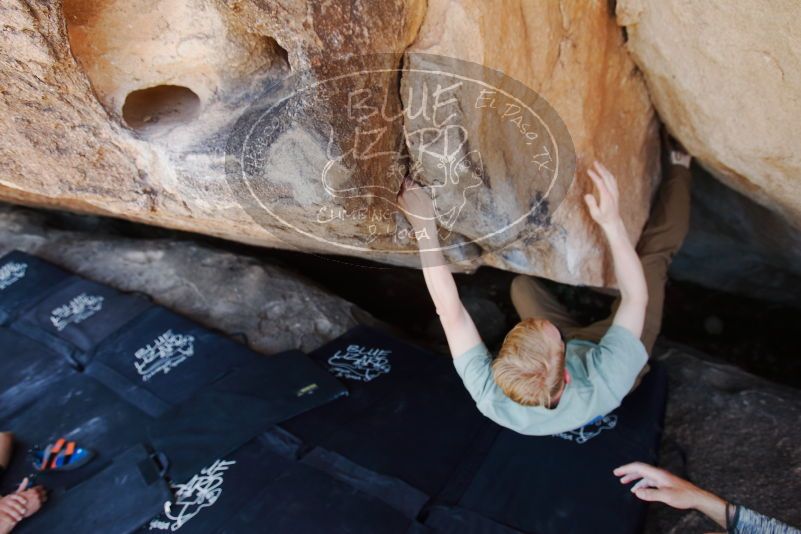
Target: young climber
(540, 384)
(657, 485)
(24, 502)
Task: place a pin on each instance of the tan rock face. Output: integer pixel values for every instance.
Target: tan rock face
(221, 117)
(126, 46)
(570, 53)
(726, 78)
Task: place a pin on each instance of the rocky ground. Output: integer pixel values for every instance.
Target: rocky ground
(275, 309)
(730, 431)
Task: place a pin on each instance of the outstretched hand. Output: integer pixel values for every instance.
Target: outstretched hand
(604, 210)
(656, 484)
(416, 204)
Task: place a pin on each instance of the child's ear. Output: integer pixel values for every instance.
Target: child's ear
(567, 377)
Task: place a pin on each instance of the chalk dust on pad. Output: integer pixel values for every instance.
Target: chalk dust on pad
(27, 372)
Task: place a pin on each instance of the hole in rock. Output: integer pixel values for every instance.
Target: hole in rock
(280, 54)
(159, 106)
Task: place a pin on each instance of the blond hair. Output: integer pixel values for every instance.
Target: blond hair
(530, 367)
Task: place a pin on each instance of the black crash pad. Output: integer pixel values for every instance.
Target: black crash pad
(256, 489)
(160, 359)
(27, 372)
(24, 281)
(407, 415)
(80, 409)
(246, 402)
(564, 484)
(440, 519)
(118, 499)
(77, 316)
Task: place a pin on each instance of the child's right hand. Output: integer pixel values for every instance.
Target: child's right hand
(417, 206)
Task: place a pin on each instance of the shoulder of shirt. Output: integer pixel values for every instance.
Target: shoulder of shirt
(478, 349)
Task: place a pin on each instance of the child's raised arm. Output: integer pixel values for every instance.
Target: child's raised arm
(459, 327)
(628, 269)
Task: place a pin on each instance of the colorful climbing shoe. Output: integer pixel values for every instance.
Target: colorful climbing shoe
(62, 455)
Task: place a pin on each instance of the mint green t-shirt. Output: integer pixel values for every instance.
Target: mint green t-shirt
(602, 375)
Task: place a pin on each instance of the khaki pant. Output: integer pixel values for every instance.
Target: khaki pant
(661, 238)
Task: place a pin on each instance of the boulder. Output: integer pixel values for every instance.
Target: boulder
(258, 121)
(570, 53)
(731, 433)
(725, 76)
(126, 108)
(274, 309)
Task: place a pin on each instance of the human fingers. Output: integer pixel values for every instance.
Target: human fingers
(32, 495)
(12, 509)
(630, 477)
(600, 186)
(35, 503)
(404, 185)
(609, 179)
(644, 483)
(592, 206)
(18, 500)
(23, 485)
(10, 516)
(652, 494)
(633, 467)
(641, 469)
